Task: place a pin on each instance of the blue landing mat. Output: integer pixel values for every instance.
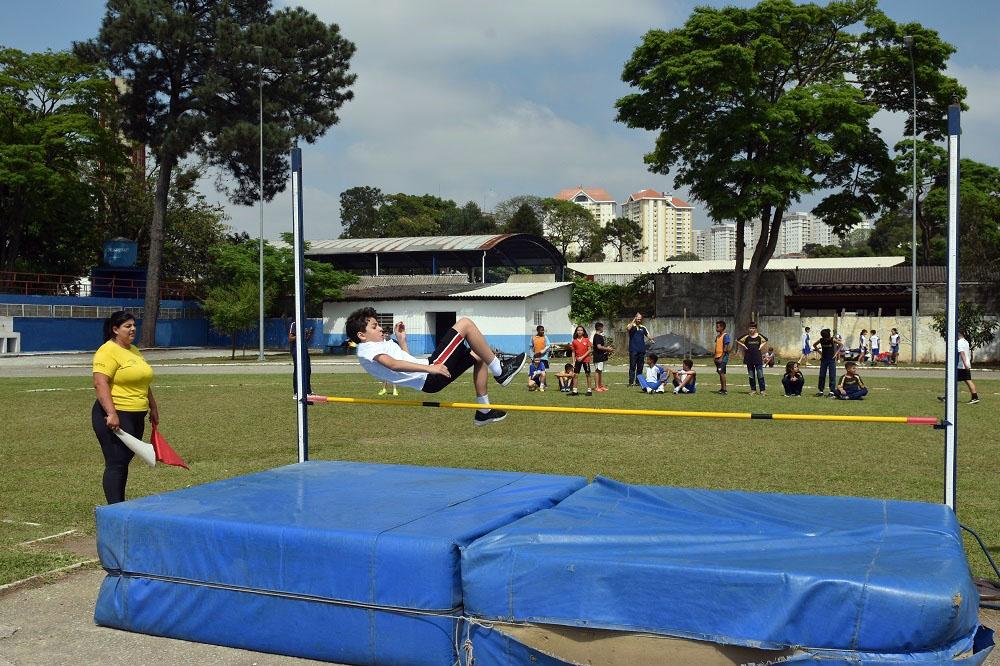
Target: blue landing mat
(368, 548)
(751, 569)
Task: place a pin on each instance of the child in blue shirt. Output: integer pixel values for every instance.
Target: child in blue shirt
(536, 373)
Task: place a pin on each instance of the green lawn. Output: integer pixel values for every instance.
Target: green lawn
(226, 425)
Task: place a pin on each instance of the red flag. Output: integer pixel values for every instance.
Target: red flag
(164, 453)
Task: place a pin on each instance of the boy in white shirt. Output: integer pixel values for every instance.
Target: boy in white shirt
(463, 347)
(874, 343)
(963, 370)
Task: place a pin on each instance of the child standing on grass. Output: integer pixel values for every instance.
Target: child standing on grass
(829, 350)
(806, 346)
(894, 345)
(684, 380)
(653, 377)
(540, 345)
(461, 348)
(752, 357)
(583, 351)
(851, 386)
(874, 341)
(793, 381)
(601, 353)
(722, 344)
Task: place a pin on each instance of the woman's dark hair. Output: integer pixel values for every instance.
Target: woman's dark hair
(114, 321)
(788, 367)
(579, 326)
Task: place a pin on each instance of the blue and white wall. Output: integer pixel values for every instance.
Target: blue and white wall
(507, 323)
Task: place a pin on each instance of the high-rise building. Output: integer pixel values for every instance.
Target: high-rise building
(796, 231)
(665, 221)
(698, 237)
(596, 200)
(720, 243)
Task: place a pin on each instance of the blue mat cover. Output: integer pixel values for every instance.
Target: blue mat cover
(316, 559)
(753, 569)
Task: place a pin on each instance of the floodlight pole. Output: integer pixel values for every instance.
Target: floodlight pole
(951, 341)
(908, 40)
(260, 102)
(301, 348)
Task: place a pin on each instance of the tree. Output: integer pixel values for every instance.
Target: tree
(56, 157)
(469, 220)
(757, 107)
(624, 235)
(567, 223)
(189, 71)
(684, 256)
(504, 211)
(359, 208)
(815, 250)
(972, 322)
(524, 221)
(233, 309)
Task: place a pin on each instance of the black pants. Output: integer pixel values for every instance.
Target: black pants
(792, 388)
(635, 363)
(306, 370)
(117, 456)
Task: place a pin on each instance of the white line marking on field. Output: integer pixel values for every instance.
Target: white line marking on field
(46, 538)
(21, 522)
(18, 583)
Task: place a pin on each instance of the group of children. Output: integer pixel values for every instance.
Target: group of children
(586, 352)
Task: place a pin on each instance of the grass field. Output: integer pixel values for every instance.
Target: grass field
(226, 425)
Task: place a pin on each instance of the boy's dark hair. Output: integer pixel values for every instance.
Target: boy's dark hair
(115, 320)
(537, 356)
(874, 331)
(539, 328)
(825, 333)
(687, 363)
(850, 365)
(807, 329)
(357, 322)
(599, 326)
(721, 323)
(789, 366)
(652, 357)
(752, 324)
(568, 367)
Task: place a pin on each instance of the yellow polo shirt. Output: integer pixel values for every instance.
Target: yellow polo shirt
(129, 373)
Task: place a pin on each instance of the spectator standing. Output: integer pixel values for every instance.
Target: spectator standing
(638, 339)
(894, 345)
(722, 344)
(752, 343)
(829, 350)
(806, 347)
(583, 351)
(540, 344)
(601, 353)
(874, 341)
(963, 372)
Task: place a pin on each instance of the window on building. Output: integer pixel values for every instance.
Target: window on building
(385, 320)
(581, 198)
(538, 317)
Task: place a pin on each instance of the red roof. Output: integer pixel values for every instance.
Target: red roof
(595, 193)
(653, 194)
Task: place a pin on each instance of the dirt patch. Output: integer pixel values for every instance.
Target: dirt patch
(83, 546)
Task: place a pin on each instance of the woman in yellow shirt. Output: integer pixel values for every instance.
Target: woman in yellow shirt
(121, 380)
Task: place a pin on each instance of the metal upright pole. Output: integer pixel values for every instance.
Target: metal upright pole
(951, 346)
(301, 348)
(908, 40)
(260, 271)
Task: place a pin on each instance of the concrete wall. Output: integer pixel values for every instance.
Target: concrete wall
(708, 294)
(785, 333)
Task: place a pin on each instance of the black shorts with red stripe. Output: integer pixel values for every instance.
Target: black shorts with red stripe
(454, 353)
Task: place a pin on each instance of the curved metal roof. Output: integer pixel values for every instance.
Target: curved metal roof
(429, 254)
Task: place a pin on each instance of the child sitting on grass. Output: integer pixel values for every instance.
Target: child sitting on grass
(684, 379)
(461, 348)
(653, 376)
(536, 373)
(851, 387)
(566, 378)
(793, 381)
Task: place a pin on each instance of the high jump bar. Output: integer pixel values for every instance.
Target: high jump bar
(606, 411)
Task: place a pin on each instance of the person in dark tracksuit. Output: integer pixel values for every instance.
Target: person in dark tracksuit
(638, 338)
(752, 343)
(828, 350)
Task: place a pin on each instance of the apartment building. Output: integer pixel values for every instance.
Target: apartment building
(596, 200)
(666, 224)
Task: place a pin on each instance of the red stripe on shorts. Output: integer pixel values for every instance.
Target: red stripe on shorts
(449, 350)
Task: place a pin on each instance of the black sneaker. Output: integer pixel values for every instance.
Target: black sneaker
(974, 401)
(508, 368)
(486, 418)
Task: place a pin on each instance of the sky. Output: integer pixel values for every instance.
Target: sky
(480, 101)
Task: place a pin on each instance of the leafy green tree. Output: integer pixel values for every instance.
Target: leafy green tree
(359, 207)
(56, 155)
(524, 221)
(684, 256)
(815, 250)
(235, 262)
(233, 309)
(469, 220)
(624, 235)
(567, 223)
(979, 329)
(757, 107)
(593, 301)
(189, 71)
(504, 211)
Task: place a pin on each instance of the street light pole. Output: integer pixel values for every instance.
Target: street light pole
(260, 102)
(908, 40)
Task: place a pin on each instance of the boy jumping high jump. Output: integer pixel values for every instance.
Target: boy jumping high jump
(463, 347)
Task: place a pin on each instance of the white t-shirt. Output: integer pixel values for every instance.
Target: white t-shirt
(875, 340)
(963, 346)
(367, 351)
(894, 340)
(653, 373)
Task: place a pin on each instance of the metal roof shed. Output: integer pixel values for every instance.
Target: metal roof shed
(430, 255)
